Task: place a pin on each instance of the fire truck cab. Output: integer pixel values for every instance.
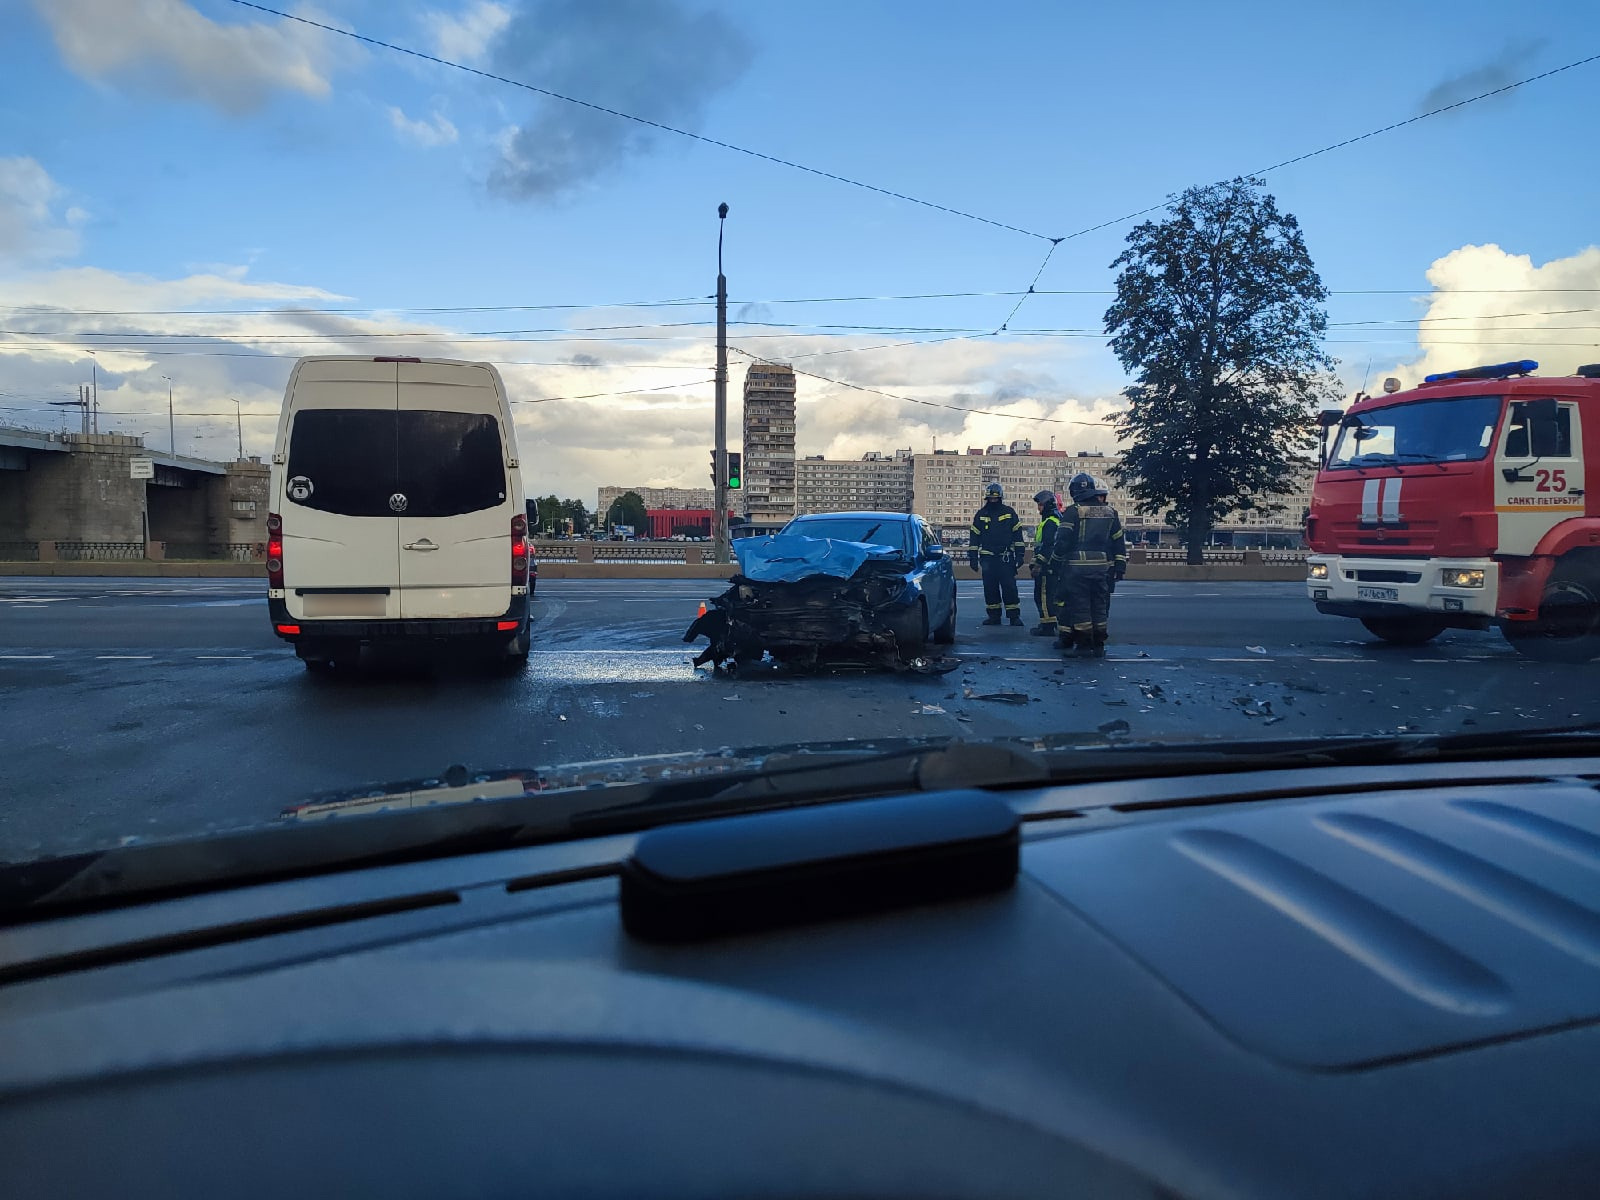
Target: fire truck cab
(1463, 503)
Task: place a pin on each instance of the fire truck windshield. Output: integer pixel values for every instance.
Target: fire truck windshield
(1424, 431)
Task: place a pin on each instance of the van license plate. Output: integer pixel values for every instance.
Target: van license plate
(1375, 593)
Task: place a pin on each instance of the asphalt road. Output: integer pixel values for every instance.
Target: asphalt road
(133, 707)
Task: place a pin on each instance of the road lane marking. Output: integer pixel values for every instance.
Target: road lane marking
(1339, 660)
(25, 657)
(1257, 658)
(122, 657)
(227, 657)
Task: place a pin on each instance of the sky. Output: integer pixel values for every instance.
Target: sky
(201, 192)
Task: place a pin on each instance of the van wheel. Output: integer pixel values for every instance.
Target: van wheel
(1404, 631)
(517, 649)
(1568, 627)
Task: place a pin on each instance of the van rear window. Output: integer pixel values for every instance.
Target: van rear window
(344, 460)
(352, 461)
(450, 463)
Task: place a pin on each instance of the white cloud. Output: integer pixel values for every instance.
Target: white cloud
(170, 48)
(30, 230)
(1490, 305)
(464, 36)
(430, 131)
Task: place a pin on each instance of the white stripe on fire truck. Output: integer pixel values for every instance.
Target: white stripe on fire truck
(1391, 499)
(1369, 499)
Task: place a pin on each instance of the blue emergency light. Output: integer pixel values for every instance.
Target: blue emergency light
(1525, 366)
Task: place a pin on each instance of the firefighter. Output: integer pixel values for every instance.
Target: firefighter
(1090, 555)
(1044, 540)
(995, 551)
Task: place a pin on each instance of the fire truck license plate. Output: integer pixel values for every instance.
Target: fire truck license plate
(1377, 593)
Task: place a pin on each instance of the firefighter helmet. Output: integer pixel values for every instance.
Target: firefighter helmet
(1045, 497)
(1081, 487)
(994, 492)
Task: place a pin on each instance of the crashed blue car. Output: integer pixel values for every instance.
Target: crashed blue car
(833, 585)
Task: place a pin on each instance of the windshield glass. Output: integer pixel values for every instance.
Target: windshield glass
(873, 531)
(1423, 431)
(391, 388)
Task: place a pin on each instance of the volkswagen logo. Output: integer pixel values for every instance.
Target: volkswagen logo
(398, 502)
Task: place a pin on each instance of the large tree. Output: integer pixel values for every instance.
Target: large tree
(575, 512)
(628, 509)
(1219, 317)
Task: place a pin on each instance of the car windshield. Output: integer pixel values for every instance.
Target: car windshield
(871, 530)
(400, 392)
(1460, 429)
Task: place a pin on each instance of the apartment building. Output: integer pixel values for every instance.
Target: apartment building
(877, 482)
(660, 497)
(769, 467)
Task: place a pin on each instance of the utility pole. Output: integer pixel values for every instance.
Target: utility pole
(172, 429)
(95, 397)
(719, 517)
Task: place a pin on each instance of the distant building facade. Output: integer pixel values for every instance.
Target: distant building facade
(947, 488)
(659, 497)
(769, 426)
(875, 481)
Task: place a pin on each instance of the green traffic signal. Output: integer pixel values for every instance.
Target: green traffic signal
(735, 473)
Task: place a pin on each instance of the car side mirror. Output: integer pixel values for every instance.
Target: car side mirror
(933, 550)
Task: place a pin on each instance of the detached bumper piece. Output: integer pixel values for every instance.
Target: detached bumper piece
(687, 883)
(874, 612)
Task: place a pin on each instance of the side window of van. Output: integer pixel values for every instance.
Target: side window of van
(344, 460)
(450, 463)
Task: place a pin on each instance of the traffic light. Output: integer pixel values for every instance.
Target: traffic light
(735, 471)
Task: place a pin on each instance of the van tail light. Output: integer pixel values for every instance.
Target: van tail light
(274, 550)
(519, 550)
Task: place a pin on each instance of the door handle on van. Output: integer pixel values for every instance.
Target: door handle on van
(424, 544)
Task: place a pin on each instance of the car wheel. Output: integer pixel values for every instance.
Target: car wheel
(946, 633)
(1568, 627)
(1405, 631)
(912, 641)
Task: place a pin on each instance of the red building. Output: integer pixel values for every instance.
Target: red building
(665, 522)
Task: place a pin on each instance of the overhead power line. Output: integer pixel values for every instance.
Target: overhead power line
(638, 120)
(961, 408)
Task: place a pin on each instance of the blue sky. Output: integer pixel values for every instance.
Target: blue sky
(210, 142)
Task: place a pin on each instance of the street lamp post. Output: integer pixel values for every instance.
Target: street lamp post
(172, 429)
(719, 518)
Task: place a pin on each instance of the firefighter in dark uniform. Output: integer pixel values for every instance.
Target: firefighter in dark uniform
(1090, 555)
(1044, 541)
(995, 550)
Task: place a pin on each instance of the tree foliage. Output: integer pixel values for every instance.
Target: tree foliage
(628, 509)
(1219, 317)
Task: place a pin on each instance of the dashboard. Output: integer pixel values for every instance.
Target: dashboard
(1353, 981)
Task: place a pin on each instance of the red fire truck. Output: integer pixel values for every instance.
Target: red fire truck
(1462, 504)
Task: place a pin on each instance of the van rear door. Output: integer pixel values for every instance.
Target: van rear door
(341, 552)
(455, 527)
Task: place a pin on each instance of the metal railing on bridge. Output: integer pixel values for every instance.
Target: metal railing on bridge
(240, 552)
(99, 551)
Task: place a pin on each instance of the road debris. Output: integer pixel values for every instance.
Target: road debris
(1256, 649)
(1003, 697)
(929, 710)
(1117, 728)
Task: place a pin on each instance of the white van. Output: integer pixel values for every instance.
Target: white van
(396, 509)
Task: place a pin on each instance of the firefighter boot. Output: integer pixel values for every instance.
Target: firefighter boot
(992, 619)
(1016, 619)
(1044, 629)
(1099, 643)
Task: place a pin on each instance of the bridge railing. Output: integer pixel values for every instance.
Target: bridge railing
(99, 551)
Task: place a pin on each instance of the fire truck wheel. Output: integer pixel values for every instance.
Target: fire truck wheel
(1404, 631)
(1568, 628)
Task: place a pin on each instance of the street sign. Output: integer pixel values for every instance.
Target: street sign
(141, 468)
